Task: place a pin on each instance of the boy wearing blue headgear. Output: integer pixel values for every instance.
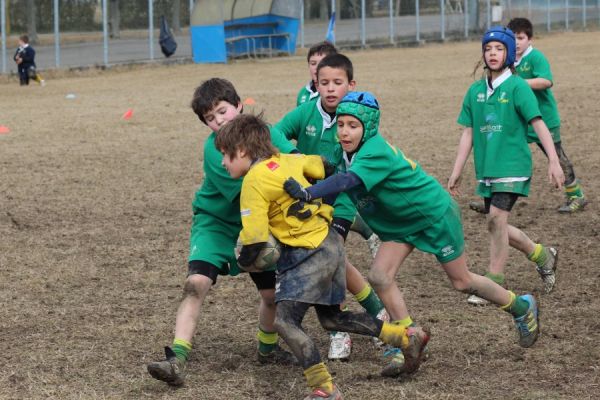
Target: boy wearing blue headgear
(408, 209)
(496, 112)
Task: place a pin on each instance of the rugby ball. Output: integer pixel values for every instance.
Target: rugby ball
(267, 258)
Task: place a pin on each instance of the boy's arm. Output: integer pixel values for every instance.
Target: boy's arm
(227, 186)
(291, 124)
(555, 172)
(462, 155)
(335, 184)
(542, 74)
(539, 83)
(281, 142)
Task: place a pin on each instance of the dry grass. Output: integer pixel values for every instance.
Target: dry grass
(95, 214)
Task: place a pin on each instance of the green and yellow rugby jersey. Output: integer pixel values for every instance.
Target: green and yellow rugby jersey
(533, 64)
(500, 121)
(397, 197)
(306, 94)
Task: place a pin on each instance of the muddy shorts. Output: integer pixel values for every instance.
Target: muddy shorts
(213, 240)
(313, 276)
(444, 238)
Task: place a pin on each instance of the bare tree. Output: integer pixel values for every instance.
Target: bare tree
(114, 21)
(31, 22)
(176, 17)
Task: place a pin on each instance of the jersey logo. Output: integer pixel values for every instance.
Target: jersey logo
(525, 67)
(245, 212)
(311, 130)
(502, 99)
(481, 97)
(272, 165)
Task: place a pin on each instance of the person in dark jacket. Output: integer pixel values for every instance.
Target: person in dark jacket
(25, 59)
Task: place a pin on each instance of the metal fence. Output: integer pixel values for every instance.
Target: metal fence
(79, 33)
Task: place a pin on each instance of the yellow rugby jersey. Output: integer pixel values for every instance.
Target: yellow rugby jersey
(264, 204)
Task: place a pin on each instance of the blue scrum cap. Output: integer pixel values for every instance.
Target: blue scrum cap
(504, 36)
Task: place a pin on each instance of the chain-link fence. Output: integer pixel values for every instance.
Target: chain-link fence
(79, 33)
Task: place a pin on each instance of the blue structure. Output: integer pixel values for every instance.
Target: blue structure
(230, 28)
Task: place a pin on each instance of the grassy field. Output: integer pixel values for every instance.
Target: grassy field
(95, 215)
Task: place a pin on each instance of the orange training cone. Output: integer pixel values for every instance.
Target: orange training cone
(4, 129)
(249, 101)
(128, 114)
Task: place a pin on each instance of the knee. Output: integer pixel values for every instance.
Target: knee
(196, 286)
(379, 278)
(493, 223)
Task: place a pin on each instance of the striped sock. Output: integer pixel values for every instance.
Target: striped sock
(369, 300)
(539, 255)
(574, 190)
(517, 307)
(182, 349)
(266, 341)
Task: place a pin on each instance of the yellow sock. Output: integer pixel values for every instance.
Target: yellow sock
(536, 252)
(510, 303)
(318, 376)
(394, 334)
(405, 322)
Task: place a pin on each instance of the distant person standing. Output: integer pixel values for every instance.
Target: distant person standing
(25, 59)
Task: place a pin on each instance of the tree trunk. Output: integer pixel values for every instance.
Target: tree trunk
(114, 20)
(175, 17)
(31, 22)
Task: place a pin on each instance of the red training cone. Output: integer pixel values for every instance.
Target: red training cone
(4, 129)
(128, 114)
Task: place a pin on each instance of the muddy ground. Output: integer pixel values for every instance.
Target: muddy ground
(95, 214)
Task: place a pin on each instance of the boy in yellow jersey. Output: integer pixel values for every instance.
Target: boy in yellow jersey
(310, 271)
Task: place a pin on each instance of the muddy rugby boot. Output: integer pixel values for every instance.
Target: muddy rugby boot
(528, 325)
(320, 394)
(573, 205)
(548, 270)
(171, 370)
(340, 346)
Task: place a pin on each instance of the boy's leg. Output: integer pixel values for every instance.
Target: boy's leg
(523, 308)
(576, 200)
(201, 276)
(360, 226)
(411, 340)
(269, 351)
(382, 277)
(288, 323)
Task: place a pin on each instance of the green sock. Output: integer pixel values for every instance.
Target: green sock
(498, 278)
(517, 306)
(267, 341)
(182, 349)
(574, 190)
(360, 226)
(539, 255)
(369, 300)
